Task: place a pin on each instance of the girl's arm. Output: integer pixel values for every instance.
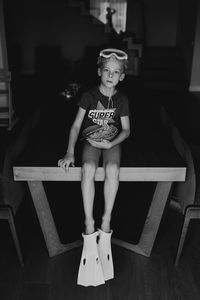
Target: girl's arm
(75, 129)
(125, 132)
(73, 136)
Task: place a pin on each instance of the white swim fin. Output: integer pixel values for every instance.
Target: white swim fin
(105, 253)
(90, 271)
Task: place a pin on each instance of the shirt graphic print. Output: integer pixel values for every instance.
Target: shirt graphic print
(103, 128)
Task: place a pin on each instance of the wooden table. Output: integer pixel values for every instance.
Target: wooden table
(164, 176)
(149, 155)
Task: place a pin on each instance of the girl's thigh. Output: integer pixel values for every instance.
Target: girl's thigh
(90, 154)
(112, 155)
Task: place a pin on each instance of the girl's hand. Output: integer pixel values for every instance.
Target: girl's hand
(66, 161)
(103, 144)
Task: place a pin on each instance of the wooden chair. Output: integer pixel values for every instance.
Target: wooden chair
(11, 192)
(10, 198)
(184, 194)
(191, 212)
(6, 213)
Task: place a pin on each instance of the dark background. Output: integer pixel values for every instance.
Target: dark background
(52, 43)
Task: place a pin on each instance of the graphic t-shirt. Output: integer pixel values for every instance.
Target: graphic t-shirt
(102, 119)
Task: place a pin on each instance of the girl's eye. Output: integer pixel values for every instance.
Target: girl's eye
(105, 70)
(116, 72)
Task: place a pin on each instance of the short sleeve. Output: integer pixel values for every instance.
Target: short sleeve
(124, 107)
(85, 100)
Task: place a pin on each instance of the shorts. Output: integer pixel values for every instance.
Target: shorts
(92, 154)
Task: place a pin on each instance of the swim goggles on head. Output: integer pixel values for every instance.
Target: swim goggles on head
(119, 54)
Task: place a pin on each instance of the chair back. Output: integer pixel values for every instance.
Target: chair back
(184, 192)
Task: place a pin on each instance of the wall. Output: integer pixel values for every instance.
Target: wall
(52, 23)
(3, 50)
(161, 22)
(153, 20)
(186, 31)
(134, 22)
(35, 23)
(195, 73)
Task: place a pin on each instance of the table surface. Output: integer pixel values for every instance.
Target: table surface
(149, 144)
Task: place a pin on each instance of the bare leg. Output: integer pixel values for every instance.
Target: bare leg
(111, 185)
(88, 192)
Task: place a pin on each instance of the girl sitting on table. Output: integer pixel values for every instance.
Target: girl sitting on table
(103, 117)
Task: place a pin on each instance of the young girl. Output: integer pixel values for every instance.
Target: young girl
(103, 116)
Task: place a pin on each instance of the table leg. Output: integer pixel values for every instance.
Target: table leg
(152, 222)
(46, 221)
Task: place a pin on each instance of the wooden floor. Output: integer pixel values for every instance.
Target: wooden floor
(136, 277)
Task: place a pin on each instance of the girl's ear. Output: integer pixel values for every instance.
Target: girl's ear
(122, 76)
(99, 71)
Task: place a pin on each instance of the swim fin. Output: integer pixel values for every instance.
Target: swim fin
(90, 271)
(105, 254)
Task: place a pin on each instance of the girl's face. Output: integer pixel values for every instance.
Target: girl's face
(111, 73)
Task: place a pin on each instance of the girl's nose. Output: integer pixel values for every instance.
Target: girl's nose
(110, 74)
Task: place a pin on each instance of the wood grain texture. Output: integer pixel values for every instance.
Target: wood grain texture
(74, 174)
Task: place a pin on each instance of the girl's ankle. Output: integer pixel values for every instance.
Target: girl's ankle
(89, 227)
(105, 225)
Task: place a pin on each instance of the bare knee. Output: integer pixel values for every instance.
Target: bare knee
(112, 171)
(88, 170)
